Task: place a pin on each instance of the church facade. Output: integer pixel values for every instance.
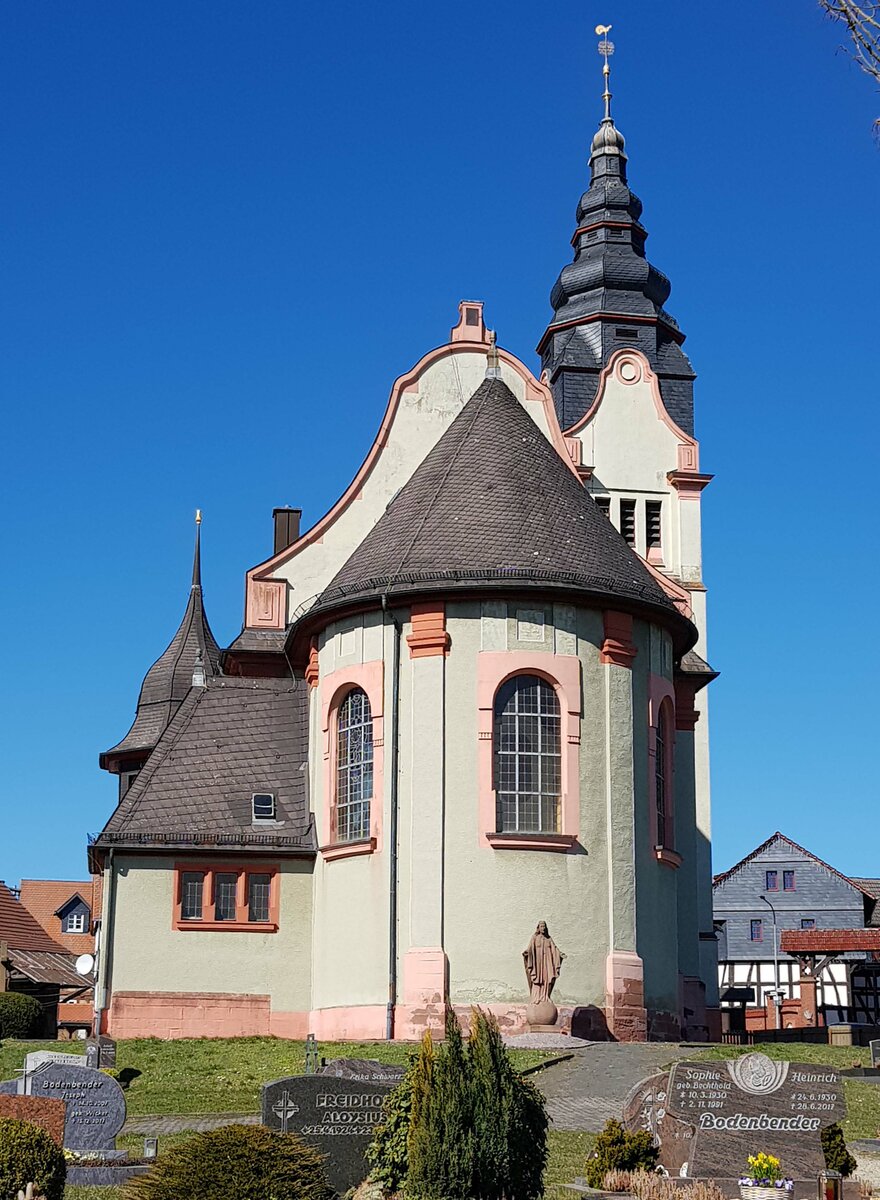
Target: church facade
(468, 700)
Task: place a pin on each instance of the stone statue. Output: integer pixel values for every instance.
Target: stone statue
(542, 960)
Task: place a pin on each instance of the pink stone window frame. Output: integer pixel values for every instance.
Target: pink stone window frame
(661, 704)
(370, 678)
(563, 673)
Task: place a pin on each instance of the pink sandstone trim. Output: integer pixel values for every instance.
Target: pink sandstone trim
(429, 636)
(370, 677)
(563, 673)
(617, 648)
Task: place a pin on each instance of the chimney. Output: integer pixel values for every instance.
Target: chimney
(286, 527)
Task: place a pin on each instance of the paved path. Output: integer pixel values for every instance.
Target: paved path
(592, 1086)
(155, 1125)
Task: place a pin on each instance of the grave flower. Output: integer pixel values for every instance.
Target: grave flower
(763, 1177)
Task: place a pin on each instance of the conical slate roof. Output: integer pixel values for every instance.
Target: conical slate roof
(493, 505)
(169, 679)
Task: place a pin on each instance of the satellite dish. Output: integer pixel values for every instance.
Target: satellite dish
(85, 964)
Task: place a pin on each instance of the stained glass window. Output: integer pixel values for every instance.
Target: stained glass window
(354, 767)
(528, 756)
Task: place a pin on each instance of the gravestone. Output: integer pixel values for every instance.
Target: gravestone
(36, 1058)
(875, 1054)
(364, 1070)
(334, 1113)
(95, 1105)
(101, 1052)
(646, 1109)
(752, 1104)
(48, 1114)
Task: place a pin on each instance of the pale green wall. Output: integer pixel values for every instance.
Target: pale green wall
(150, 956)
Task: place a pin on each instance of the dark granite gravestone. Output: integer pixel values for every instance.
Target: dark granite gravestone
(752, 1104)
(875, 1053)
(335, 1114)
(364, 1070)
(101, 1052)
(645, 1108)
(95, 1105)
(11, 1087)
(47, 1114)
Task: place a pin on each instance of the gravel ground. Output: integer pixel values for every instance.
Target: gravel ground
(544, 1041)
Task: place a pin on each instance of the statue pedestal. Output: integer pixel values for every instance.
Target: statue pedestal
(541, 1017)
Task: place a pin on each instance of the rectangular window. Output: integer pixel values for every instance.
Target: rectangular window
(75, 923)
(258, 897)
(225, 883)
(263, 805)
(654, 524)
(757, 930)
(771, 881)
(604, 504)
(808, 922)
(788, 881)
(628, 521)
(191, 892)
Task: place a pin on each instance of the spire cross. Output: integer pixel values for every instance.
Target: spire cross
(197, 552)
(606, 49)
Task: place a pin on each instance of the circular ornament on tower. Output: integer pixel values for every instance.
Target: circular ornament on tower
(629, 370)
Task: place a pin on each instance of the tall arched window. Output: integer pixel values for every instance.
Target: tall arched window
(354, 767)
(663, 776)
(528, 756)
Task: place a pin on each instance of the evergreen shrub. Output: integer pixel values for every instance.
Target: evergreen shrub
(28, 1155)
(463, 1123)
(19, 1015)
(618, 1149)
(837, 1157)
(238, 1161)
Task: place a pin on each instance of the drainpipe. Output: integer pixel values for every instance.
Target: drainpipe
(105, 943)
(392, 832)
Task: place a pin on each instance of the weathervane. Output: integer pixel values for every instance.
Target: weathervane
(606, 49)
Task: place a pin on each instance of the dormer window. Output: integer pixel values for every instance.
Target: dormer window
(75, 922)
(263, 806)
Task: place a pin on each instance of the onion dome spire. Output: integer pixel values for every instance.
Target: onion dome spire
(611, 296)
(193, 651)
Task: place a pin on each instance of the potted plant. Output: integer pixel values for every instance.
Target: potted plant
(763, 1179)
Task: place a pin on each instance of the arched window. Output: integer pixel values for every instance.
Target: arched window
(663, 776)
(354, 767)
(528, 756)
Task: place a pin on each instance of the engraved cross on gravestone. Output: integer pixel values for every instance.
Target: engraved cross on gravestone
(284, 1108)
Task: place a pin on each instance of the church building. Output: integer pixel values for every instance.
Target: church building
(468, 700)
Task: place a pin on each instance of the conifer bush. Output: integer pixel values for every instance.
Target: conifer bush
(463, 1123)
(19, 1015)
(618, 1149)
(237, 1162)
(837, 1157)
(28, 1155)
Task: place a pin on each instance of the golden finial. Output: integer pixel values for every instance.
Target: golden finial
(606, 49)
(198, 516)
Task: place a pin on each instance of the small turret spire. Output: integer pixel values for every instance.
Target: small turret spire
(197, 553)
(606, 49)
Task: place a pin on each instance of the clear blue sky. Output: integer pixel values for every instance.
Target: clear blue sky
(226, 227)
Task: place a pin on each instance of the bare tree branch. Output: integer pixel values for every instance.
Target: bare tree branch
(863, 25)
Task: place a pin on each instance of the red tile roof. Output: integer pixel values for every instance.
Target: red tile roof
(20, 930)
(44, 897)
(828, 941)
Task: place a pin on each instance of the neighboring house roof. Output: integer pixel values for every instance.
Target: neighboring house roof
(20, 930)
(40, 966)
(828, 941)
(169, 678)
(871, 887)
(49, 899)
(856, 883)
(228, 740)
(493, 505)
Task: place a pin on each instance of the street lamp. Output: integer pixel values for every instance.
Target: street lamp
(776, 996)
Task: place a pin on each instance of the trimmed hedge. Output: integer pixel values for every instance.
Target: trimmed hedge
(19, 1015)
(247, 1161)
(28, 1155)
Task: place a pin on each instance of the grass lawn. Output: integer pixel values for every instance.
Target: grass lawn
(862, 1099)
(206, 1075)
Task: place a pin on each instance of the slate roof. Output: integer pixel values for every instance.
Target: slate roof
(227, 740)
(494, 506)
(856, 883)
(20, 929)
(169, 678)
